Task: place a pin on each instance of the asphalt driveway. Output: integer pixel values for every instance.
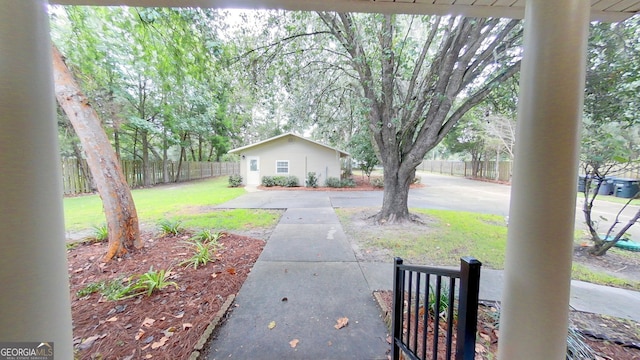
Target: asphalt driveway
(439, 192)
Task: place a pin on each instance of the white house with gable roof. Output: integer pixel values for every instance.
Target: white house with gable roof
(288, 155)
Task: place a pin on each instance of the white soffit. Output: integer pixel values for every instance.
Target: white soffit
(605, 10)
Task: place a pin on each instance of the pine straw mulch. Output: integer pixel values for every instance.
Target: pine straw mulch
(167, 324)
(610, 338)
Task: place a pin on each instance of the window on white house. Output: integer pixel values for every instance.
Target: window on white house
(282, 167)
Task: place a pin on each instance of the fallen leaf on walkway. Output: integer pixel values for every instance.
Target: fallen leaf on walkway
(294, 343)
(272, 325)
(284, 299)
(186, 326)
(342, 322)
(111, 319)
(231, 271)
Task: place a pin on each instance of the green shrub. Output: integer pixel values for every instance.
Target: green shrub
(268, 181)
(312, 179)
(280, 180)
(284, 181)
(290, 181)
(235, 180)
(377, 182)
(333, 182)
(348, 182)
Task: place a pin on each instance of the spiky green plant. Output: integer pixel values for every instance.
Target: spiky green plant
(203, 253)
(121, 288)
(207, 236)
(100, 233)
(118, 289)
(154, 280)
(172, 227)
(577, 348)
(91, 288)
(444, 301)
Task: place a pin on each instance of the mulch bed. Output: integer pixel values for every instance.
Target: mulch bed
(167, 324)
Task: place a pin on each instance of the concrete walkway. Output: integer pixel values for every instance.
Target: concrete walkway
(306, 278)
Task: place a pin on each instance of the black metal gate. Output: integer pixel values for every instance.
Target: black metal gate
(425, 314)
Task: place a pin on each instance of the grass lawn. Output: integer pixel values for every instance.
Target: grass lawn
(186, 202)
(452, 234)
(611, 198)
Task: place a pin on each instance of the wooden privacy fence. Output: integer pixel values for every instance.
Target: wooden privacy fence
(75, 181)
(486, 169)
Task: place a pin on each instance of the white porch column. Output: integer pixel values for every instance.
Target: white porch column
(34, 286)
(541, 221)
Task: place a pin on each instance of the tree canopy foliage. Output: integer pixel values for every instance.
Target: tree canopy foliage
(159, 78)
(611, 127)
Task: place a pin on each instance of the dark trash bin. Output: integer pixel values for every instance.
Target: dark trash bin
(626, 188)
(607, 187)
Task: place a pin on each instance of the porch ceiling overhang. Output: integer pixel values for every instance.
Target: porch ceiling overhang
(604, 10)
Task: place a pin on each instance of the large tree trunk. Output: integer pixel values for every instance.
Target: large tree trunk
(395, 207)
(119, 209)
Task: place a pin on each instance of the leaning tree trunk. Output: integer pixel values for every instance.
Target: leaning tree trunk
(119, 209)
